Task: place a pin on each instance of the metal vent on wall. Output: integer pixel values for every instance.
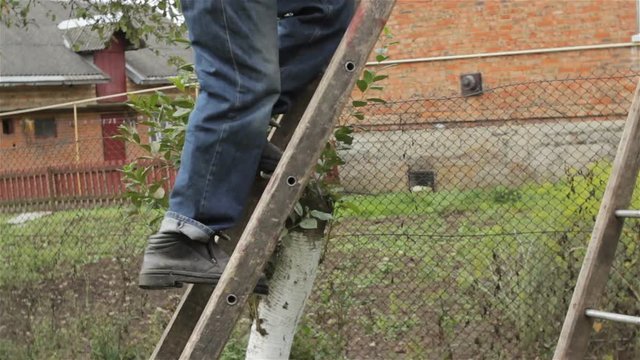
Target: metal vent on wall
(471, 84)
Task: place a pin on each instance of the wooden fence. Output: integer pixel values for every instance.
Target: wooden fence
(81, 185)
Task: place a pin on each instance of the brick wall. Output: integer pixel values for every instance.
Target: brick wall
(25, 97)
(24, 152)
(443, 28)
(477, 157)
(437, 28)
(530, 132)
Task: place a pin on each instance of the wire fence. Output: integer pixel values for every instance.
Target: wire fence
(461, 231)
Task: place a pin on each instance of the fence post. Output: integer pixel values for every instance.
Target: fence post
(75, 129)
(51, 187)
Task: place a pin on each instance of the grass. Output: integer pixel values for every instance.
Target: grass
(477, 273)
(387, 223)
(404, 271)
(65, 285)
(51, 246)
(42, 256)
(88, 336)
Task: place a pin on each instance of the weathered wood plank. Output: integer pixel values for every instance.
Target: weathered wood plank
(577, 327)
(186, 315)
(261, 234)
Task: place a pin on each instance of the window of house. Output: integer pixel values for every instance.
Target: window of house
(45, 128)
(7, 126)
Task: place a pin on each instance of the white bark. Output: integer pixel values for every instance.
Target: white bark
(278, 314)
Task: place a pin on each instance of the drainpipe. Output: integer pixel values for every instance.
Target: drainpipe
(636, 37)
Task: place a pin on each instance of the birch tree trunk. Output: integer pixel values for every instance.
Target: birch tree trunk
(295, 271)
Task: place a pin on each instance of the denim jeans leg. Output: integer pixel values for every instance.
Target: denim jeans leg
(309, 32)
(236, 61)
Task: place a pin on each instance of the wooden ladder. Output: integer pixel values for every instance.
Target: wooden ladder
(205, 317)
(598, 261)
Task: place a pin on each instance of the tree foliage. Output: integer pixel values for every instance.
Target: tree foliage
(139, 20)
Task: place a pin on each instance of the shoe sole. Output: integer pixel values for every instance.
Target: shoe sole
(159, 280)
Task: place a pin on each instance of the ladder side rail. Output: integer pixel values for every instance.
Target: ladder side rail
(598, 260)
(184, 319)
(287, 183)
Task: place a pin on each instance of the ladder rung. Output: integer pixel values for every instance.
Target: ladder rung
(612, 316)
(628, 213)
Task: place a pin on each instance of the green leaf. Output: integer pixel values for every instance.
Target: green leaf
(178, 83)
(329, 162)
(181, 112)
(368, 76)
(377, 100)
(136, 137)
(343, 135)
(358, 115)
(362, 85)
(309, 223)
(381, 58)
(183, 102)
(159, 193)
(380, 78)
(153, 100)
(359, 103)
(298, 208)
(188, 67)
(321, 215)
(154, 147)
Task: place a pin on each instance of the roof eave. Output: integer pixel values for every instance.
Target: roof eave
(140, 79)
(154, 81)
(22, 80)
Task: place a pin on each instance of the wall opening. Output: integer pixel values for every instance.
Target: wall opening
(422, 180)
(45, 128)
(7, 126)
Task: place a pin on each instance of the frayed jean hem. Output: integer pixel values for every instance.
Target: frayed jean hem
(174, 222)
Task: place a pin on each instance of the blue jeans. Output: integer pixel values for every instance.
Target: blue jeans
(251, 57)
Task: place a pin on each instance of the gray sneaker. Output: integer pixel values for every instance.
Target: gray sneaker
(172, 259)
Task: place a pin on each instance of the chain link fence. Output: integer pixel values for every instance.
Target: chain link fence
(461, 231)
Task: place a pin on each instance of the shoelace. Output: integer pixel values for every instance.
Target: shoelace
(219, 235)
(215, 252)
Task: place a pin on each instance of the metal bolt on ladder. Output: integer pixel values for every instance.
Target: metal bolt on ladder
(598, 260)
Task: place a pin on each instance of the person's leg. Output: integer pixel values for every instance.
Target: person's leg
(239, 86)
(236, 60)
(309, 31)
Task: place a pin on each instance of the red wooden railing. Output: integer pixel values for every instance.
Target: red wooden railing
(82, 182)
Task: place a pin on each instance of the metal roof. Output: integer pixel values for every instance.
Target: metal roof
(37, 54)
(147, 67)
(82, 39)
